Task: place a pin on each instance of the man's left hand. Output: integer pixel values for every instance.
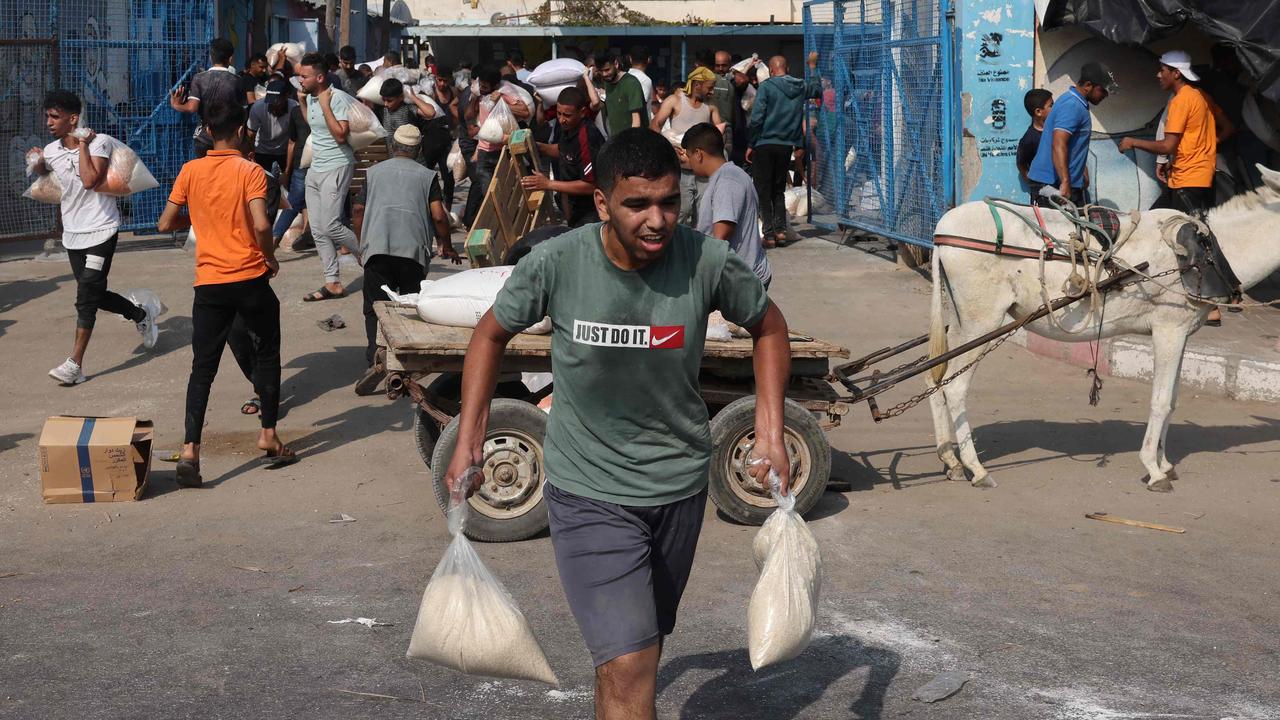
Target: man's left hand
(775, 457)
(536, 181)
(1126, 144)
(325, 95)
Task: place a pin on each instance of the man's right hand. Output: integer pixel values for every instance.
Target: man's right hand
(325, 95)
(1065, 189)
(463, 460)
(1162, 172)
(176, 97)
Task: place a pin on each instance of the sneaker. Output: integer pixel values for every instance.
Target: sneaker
(68, 373)
(147, 325)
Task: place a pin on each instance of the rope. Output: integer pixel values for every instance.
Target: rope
(1076, 248)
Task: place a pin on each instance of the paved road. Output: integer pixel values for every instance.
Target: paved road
(138, 610)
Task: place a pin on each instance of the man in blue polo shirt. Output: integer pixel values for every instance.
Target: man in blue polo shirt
(1064, 146)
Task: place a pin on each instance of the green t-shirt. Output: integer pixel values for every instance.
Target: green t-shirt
(628, 424)
(620, 100)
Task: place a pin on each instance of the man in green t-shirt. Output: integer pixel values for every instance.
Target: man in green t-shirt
(628, 444)
(624, 103)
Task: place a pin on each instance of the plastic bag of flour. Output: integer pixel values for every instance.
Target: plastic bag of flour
(46, 188)
(561, 71)
(461, 299)
(468, 621)
(292, 51)
(126, 173)
(499, 124)
(784, 604)
(364, 126)
(456, 163)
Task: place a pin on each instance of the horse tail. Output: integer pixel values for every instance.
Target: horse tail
(937, 329)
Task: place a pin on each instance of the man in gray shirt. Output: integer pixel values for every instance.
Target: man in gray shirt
(728, 209)
(404, 212)
(270, 124)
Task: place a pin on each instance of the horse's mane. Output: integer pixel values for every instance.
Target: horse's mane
(1247, 201)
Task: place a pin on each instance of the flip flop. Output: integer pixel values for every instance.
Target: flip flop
(251, 407)
(278, 458)
(1216, 322)
(323, 293)
(188, 474)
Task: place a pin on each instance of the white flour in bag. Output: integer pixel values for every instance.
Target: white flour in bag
(469, 623)
(784, 604)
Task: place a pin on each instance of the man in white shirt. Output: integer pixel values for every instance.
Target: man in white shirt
(639, 68)
(90, 221)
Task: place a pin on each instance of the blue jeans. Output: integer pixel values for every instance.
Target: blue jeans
(297, 201)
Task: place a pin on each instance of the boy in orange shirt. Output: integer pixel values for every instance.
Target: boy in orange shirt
(225, 195)
(1193, 127)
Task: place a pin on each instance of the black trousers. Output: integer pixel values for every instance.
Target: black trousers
(402, 275)
(1190, 200)
(90, 267)
(436, 143)
(769, 167)
(481, 174)
(214, 311)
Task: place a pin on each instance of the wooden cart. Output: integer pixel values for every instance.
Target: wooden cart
(424, 361)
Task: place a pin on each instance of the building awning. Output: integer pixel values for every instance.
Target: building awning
(698, 31)
(400, 12)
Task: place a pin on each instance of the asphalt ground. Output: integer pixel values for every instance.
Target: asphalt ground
(217, 602)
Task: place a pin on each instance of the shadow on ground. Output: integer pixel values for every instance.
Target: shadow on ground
(175, 332)
(786, 690)
(1083, 441)
(19, 292)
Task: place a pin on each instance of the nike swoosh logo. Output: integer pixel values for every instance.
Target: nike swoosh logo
(659, 341)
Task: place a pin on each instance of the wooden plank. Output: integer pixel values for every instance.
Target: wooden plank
(405, 331)
(1104, 517)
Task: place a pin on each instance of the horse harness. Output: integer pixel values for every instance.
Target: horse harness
(1206, 272)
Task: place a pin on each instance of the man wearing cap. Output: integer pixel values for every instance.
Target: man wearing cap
(270, 124)
(1064, 146)
(404, 215)
(1191, 134)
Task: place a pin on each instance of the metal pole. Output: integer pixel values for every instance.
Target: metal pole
(344, 25)
(684, 69)
(555, 47)
(328, 24)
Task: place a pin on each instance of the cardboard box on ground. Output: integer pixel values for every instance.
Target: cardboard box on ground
(94, 459)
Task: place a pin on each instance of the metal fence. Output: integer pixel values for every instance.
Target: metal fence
(122, 57)
(882, 138)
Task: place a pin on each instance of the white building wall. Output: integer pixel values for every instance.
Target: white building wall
(437, 12)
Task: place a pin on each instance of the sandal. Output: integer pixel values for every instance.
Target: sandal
(251, 407)
(188, 474)
(323, 293)
(278, 458)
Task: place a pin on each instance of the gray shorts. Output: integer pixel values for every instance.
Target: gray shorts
(623, 568)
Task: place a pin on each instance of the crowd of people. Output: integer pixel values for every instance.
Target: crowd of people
(282, 129)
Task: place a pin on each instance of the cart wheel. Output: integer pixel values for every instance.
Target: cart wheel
(426, 433)
(739, 495)
(509, 505)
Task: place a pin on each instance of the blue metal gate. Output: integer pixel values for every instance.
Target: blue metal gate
(882, 135)
(122, 57)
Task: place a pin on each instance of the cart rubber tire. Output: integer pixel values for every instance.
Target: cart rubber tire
(733, 428)
(447, 391)
(426, 433)
(513, 449)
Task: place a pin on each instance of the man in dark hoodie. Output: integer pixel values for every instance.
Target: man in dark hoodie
(775, 131)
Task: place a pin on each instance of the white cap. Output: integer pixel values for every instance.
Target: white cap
(1179, 60)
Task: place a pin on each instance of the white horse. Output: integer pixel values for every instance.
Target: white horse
(984, 288)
